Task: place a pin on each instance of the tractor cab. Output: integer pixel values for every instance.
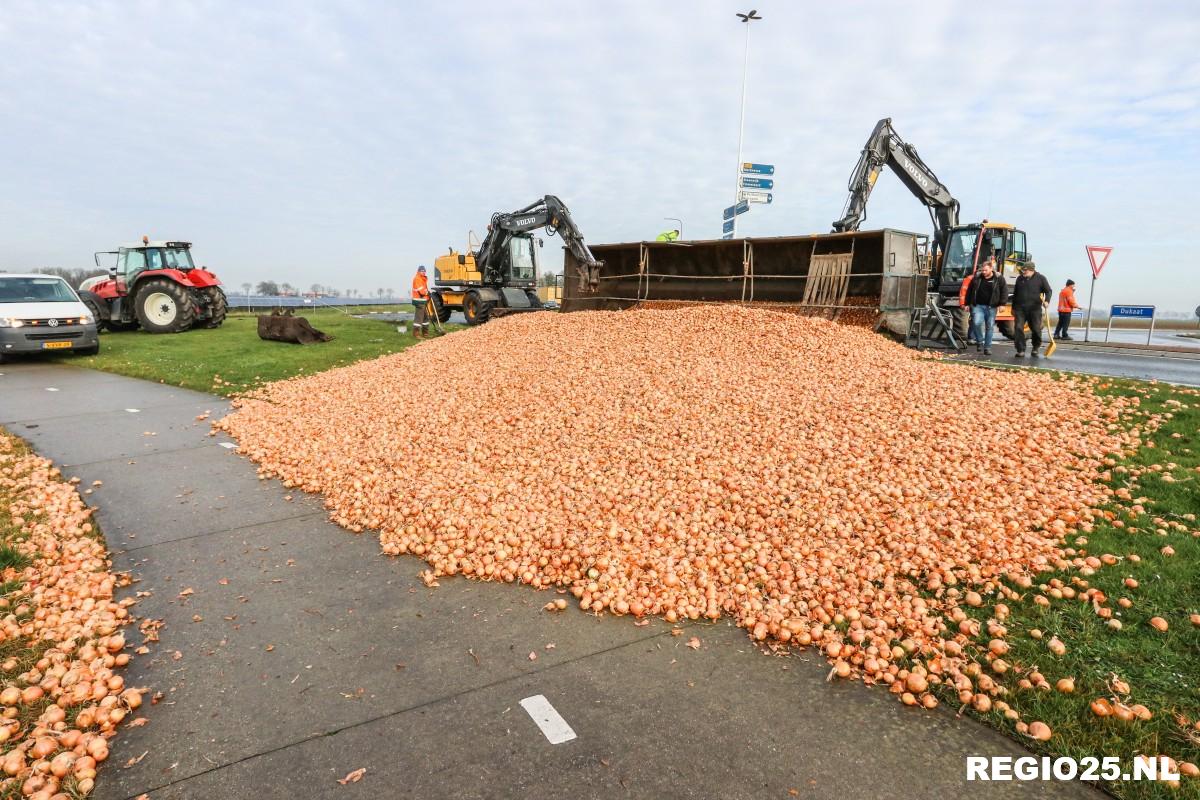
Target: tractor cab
(133, 260)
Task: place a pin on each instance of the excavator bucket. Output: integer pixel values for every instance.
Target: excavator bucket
(870, 276)
(284, 327)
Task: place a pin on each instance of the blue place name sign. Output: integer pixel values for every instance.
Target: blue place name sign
(727, 227)
(757, 169)
(1132, 312)
(757, 183)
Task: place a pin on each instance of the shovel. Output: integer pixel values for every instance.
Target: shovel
(1053, 345)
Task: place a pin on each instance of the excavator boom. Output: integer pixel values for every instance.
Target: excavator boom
(886, 148)
(549, 213)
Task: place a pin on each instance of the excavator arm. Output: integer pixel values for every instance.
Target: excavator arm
(886, 148)
(549, 213)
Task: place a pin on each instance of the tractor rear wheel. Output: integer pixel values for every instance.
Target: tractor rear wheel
(217, 306)
(476, 309)
(164, 306)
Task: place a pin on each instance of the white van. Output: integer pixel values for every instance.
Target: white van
(42, 312)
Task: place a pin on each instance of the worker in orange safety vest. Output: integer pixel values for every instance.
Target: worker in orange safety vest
(1066, 304)
(420, 301)
(962, 315)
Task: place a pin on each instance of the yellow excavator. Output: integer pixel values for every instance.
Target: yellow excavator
(500, 275)
(958, 249)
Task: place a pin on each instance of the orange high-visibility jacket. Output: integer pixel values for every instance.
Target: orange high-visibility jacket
(962, 292)
(1066, 300)
(420, 290)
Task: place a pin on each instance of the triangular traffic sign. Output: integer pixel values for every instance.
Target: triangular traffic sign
(1099, 257)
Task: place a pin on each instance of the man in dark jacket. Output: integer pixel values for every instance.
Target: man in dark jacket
(1031, 293)
(986, 293)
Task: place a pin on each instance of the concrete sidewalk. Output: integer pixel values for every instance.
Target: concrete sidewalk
(300, 653)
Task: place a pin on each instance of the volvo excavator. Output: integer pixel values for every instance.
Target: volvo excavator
(500, 276)
(957, 249)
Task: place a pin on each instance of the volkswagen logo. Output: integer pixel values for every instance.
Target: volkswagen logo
(53, 323)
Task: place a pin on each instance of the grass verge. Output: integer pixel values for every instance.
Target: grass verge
(232, 359)
(1151, 537)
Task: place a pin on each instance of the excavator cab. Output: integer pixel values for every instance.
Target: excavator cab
(522, 261)
(965, 251)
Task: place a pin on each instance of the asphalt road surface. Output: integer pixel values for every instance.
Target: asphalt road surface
(301, 654)
(1162, 337)
(1181, 368)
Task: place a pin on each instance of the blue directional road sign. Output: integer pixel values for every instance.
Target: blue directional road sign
(757, 183)
(727, 227)
(727, 236)
(757, 169)
(732, 211)
(1132, 312)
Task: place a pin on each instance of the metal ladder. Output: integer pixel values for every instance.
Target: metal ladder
(931, 322)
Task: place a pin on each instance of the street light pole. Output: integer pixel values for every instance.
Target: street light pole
(737, 182)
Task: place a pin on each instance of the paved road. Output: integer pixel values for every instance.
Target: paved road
(302, 654)
(1181, 368)
(1162, 337)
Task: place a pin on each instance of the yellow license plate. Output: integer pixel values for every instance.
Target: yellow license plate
(55, 345)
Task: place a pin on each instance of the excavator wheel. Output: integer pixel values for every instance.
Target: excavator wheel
(439, 307)
(218, 306)
(476, 309)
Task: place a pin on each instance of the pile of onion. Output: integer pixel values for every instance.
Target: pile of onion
(819, 484)
(65, 600)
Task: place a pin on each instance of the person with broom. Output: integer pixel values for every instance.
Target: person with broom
(420, 301)
(1031, 293)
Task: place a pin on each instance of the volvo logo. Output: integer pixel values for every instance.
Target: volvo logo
(911, 169)
(53, 323)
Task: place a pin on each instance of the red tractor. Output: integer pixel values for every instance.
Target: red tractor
(156, 286)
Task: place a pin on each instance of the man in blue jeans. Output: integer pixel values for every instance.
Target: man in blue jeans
(986, 293)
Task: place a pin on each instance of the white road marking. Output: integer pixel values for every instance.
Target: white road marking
(548, 719)
(228, 445)
(51, 389)
(134, 410)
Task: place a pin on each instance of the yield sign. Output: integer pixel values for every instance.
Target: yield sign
(1099, 257)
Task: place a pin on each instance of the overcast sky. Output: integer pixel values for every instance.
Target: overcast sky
(344, 143)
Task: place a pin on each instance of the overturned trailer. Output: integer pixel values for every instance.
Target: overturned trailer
(884, 273)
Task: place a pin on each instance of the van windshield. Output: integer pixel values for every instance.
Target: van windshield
(35, 290)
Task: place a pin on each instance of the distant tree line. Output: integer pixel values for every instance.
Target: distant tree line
(285, 289)
(73, 276)
(270, 288)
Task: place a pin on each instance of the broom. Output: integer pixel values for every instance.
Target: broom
(1053, 345)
